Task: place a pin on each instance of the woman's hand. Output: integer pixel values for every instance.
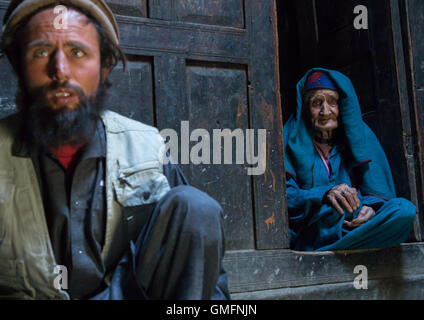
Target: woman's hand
(343, 195)
(364, 215)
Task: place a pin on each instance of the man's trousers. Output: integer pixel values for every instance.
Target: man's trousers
(178, 253)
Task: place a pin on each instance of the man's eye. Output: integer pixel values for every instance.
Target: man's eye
(78, 53)
(40, 53)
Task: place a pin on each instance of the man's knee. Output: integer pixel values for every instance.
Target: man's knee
(201, 213)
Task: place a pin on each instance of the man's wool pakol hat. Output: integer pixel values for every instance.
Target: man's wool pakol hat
(98, 9)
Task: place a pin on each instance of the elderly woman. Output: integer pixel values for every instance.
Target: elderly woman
(340, 191)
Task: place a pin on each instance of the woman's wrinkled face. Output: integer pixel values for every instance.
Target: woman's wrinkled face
(324, 110)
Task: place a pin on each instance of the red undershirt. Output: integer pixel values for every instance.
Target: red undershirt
(67, 154)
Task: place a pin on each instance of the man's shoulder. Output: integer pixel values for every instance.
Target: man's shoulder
(8, 126)
(115, 122)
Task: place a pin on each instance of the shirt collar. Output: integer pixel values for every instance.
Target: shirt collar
(96, 147)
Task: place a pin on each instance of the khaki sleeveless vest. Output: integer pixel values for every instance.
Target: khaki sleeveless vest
(134, 176)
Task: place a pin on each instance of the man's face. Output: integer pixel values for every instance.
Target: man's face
(324, 110)
(66, 62)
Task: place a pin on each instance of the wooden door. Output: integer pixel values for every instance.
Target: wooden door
(214, 64)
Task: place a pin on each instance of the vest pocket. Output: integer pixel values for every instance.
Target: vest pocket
(141, 184)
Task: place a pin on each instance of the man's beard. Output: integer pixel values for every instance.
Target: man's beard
(49, 128)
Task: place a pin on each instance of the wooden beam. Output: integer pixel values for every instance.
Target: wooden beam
(250, 270)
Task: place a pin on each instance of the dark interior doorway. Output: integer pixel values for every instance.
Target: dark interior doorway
(320, 33)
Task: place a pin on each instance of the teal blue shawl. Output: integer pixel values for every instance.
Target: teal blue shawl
(364, 149)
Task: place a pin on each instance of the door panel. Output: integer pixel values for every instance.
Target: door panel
(217, 100)
(183, 38)
(132, 91)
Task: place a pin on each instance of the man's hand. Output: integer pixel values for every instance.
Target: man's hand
(364, 215)
(343, 195)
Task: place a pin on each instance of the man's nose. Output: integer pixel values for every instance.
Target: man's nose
(59, 66)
